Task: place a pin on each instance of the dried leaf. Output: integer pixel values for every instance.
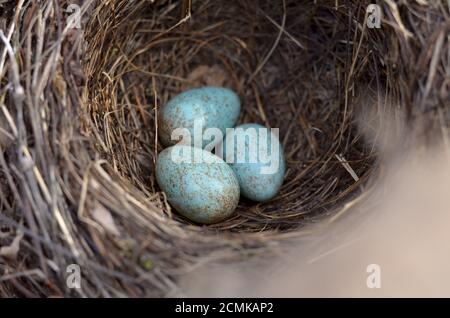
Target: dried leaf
(216, 76)
(198, 73)
(207, 75)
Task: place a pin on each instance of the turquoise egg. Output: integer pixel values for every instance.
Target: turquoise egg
(211, 107)
(197, 183)
(257, 160)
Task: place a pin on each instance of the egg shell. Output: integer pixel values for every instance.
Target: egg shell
(256, 185)
(204, 192)
(218, 107)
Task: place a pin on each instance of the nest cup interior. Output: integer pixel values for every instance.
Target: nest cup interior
(78, 135)
(289, 63)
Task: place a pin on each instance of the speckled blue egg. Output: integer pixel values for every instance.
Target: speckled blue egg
(217, 107)
(205, 191)
(255, 183)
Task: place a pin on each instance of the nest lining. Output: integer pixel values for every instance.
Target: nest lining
(282, 82)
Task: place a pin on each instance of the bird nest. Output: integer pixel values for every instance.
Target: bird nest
(81, 87)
